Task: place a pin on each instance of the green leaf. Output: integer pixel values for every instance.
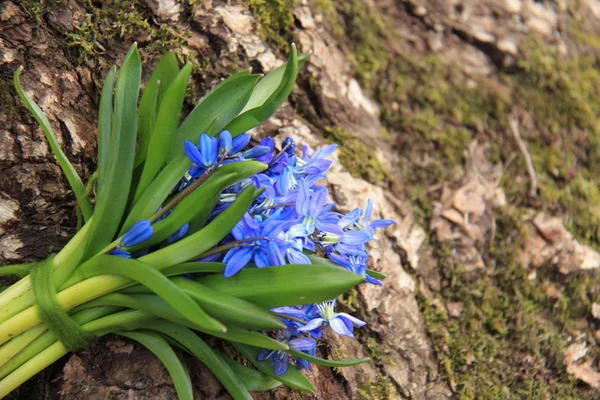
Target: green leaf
(254, 380)
(286, 285)
(320, 260)
(229, 309)
(292, 377)
(46, 339)
(328, 363)
(194, 245)
(224, 102)
(70, 173)
(197, 347)
(268, 96)
(104, 127)
(164, 352)
(112, 200)
(194, 205)
(154, 305)
(376, 274)
(164, 129)
(165, 72)
(156, 193)
(194, 267)
(190, 208)
(155, 281)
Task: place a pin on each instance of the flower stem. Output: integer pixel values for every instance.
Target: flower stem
(230, 245)
(285, 316)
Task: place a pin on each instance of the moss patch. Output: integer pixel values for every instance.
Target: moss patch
(381, 389)
(129, 20)
(355, 156)
(510, 338)
(276, 18)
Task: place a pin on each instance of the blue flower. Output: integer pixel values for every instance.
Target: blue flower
(139, 233)
(281, 360)
(120, 253)
(378, 223)
(310, 205)
(257, 152)
(341, 323)
(239, 142)
(289, 145)
(225, 142)
(265, 250)
(179, 234)
(267, 156)
(316, 163)
(354, 259)
(205, 156)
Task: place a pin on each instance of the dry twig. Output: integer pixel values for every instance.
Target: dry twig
(514, 127)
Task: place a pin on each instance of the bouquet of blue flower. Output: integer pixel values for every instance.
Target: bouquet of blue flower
(187, 230)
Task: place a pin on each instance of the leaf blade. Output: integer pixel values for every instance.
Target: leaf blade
(70, 173)
(164, 352)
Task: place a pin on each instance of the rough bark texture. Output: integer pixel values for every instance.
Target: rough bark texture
(418, 94)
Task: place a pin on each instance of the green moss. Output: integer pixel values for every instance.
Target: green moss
(378, 351)
(561, 94)
(355, 156)
(365, 31)
(276, 18)
(327, 8)
(510, 338)
(128, 20)
(381, 389)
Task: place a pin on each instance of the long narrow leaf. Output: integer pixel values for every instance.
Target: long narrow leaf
(164, 352)
(192, 246)
(164, 129)
(70, 173)
(271, 92)
(194, 267)
(285, 285)
(160, 80)
(48, 337)
(154, 305)
(328, 363)
(155, 281)
(229, 309)
(155, 194)
(113, 199)
(197, 347)
(224, 102)
(104, 127)
(292, 377)
(254, 380)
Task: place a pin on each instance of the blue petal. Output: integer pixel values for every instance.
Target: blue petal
(373, 281)
(304, 344)
(356, 237)
(139, 232)
(192, 152)
(264, 354)
(236, 259)
(282, 364)
(314, 324)
(340, 327)
(239, 142)
(179, 234)
(225, 142)
(381, 223)
(350, 318)
(120, 253)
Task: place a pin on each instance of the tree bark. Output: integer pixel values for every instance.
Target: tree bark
(67, 47)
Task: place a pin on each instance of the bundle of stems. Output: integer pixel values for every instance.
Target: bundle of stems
(133, 270)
